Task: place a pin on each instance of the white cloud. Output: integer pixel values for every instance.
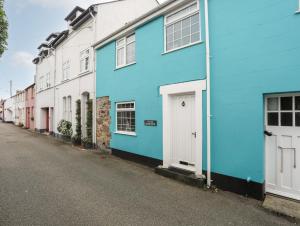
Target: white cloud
(23, 59)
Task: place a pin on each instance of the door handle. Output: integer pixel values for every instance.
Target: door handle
(194, 134)
(267, 133)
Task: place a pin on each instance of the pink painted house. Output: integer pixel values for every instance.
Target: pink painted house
(30, 104)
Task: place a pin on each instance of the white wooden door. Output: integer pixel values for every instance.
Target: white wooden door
(183, 135)
(282, 143)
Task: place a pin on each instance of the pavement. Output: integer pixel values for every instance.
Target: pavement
(46, 182)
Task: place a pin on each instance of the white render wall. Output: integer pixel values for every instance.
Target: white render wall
(109, 18)
(45, 96)
(9, 110)
(19, 108)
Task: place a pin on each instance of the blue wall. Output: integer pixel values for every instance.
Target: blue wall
(141, 82)
(255, 51)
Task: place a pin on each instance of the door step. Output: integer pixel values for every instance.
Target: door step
(181, 175)
(282, 205)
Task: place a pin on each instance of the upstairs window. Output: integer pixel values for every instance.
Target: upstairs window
(66, 70)
(48, 84)
(126, 118)
(182, 28)
(125, 51)
(64, 108)
(84, 61)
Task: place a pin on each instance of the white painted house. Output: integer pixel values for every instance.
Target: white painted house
(9, 109)
(19, 108)
(45, 72)
(65, 70)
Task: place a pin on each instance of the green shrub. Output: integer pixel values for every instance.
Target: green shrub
(76, 139)
(65, 128)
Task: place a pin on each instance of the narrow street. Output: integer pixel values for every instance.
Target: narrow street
(46, 182)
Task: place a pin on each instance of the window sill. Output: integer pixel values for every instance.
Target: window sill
(84, 73)
(126, 133)
(183, 47)
(298, 11)
(127, 65)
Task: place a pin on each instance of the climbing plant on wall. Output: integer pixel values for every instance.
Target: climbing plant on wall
(76, 139)
(88, 140)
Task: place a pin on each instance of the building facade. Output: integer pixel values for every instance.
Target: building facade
(20, 108)
(30, 107)
(9, 110)
(152, 102)
(69, 66)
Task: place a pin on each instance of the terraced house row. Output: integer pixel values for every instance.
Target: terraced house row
(208, 87)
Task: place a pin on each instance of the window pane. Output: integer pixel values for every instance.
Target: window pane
(297, 116)
(273, 119)
(131, 38)
(130, 54)
(195, 37)
(186, 40)
(286, 103)
(272, 104)
(195, 28)
(120, 57)
(287, 119)
(195, 19)
(297, 103)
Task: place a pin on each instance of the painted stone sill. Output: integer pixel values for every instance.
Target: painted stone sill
(127, 65)
(183, 47)
(298, 11)
(126, 133)
(84, 73)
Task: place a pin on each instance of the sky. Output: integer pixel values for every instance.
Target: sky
(30, 22)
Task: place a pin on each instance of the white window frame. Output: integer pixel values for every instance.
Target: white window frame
(123, 110)
(66, 70)
(298, 11)
(48, 84)
(65, 108)
(69, 109)
(41, 83)
(190, 14)
(84, 56)
(124, 45)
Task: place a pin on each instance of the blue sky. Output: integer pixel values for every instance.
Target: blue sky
(30, 22)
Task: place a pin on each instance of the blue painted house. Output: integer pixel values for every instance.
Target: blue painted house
(217, 96)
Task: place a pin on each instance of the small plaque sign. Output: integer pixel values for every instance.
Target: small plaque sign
(150, 123)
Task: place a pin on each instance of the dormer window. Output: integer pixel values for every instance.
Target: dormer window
(74, 14)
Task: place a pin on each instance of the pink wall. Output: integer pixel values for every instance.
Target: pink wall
(30, 107)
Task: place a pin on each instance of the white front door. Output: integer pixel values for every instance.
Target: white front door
(183, 132)
(282, 145)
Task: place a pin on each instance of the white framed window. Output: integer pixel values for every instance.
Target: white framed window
(125, 51)
(66, 70)
(41, 83)
(298, 11)
(48, 83)
(125, 118)
(84, 61)
(64, 108)
(182, 27)
(69, 108)
(283, 111)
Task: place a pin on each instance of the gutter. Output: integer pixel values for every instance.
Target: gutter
(208, 91)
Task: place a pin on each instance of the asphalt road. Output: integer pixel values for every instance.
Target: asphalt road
(46, 182)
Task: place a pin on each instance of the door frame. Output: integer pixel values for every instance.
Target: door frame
(266, 96)
(166, 91)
